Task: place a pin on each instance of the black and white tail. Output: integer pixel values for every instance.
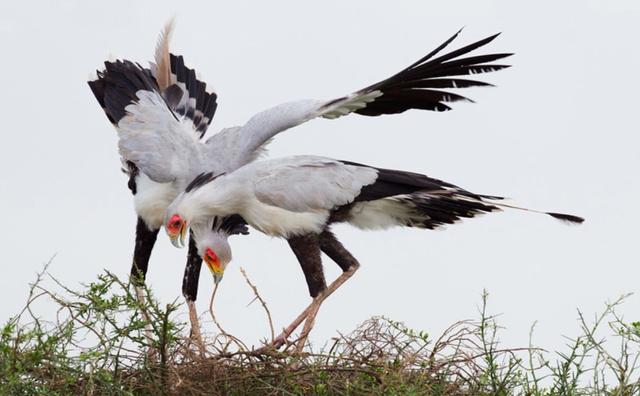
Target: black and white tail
(434, 209)
(415, 200)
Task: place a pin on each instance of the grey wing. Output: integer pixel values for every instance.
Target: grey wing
(150, 134)
(307, 183)
(186, 95)
(420, 86)
(159, 113)
(237, 146)
(156, 142)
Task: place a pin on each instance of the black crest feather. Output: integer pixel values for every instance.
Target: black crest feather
(231, 225)
(201, 180)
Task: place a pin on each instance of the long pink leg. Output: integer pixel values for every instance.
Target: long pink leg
(311, 311)
(195, 328)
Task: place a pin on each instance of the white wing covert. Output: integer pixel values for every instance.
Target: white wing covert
(284, 183)
(161, 143)
(152, 138)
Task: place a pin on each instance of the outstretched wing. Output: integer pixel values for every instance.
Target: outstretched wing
(158, 111)
(185, 94)
(158, 141)
(420, 86)
(285, 183)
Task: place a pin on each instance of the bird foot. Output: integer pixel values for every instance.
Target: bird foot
(282, 338)
(279, 341)
(309, 314)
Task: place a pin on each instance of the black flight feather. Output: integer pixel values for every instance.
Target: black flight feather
(410, 88)
(117, 85)
(202, 107)
(392, 182)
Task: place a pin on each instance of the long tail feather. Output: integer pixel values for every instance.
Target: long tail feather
(567, 218)
(416, 200)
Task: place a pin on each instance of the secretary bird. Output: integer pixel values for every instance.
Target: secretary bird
(298, 198)
(155, 119)
(194, 108)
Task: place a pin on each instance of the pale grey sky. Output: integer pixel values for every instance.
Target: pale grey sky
(558, 133)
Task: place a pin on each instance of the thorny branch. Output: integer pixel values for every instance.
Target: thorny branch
(99, 338)
(264, 304)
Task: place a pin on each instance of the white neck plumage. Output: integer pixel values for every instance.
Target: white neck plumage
(214, 199)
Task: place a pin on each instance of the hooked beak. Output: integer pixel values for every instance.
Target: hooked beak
(217, 277)
(177, 240)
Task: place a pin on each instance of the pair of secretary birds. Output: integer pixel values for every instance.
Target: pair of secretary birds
(216, 187)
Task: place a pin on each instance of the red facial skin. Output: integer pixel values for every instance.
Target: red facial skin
(212, 260)
(174, 224)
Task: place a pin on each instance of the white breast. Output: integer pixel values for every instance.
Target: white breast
(152, 199)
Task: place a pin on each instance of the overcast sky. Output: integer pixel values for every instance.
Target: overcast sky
(560, 132)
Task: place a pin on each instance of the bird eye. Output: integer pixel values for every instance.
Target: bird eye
(210, 255)
(174, 224)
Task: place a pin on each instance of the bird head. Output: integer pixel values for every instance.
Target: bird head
(176, 228)
(215, 251)
(212, 241)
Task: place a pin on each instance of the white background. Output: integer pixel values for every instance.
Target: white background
(558, 133)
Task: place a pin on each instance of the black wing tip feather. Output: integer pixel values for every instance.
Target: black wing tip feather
(205, 102)
(570, 219)
(116, 86)
(413, 87)
(493, 37)
(97, 88)
(428, 59)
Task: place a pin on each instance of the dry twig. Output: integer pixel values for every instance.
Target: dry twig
(264, 304)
